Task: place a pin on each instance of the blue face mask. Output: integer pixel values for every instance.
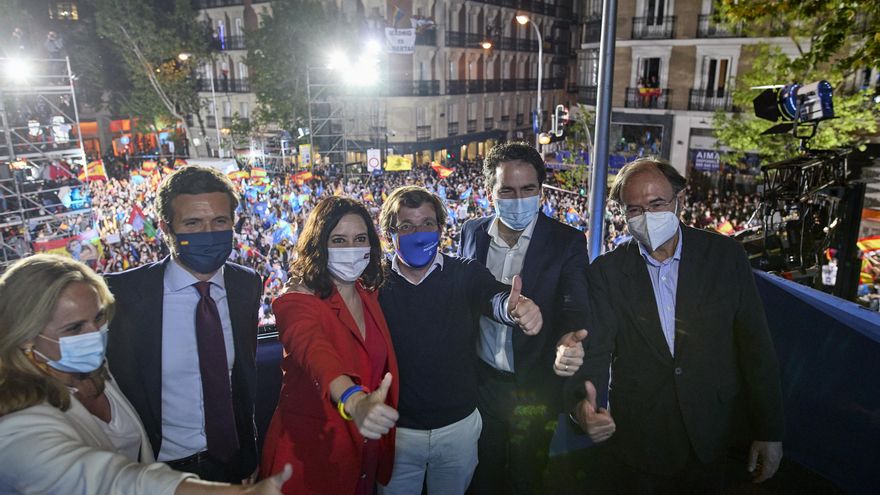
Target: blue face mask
(518, 213)
(204, 252)
(79, 353)
(417, 249)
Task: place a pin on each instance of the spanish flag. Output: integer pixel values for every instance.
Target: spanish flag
(148, 165)
(870, 248)
(93, 171)
(258, 172)
(442, 171)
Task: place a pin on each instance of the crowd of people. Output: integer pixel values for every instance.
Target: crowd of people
(274, 208)
(405, 368)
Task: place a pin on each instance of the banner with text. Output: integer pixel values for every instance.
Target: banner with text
(400, 41)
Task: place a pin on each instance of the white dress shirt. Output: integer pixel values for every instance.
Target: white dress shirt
(495, 345)
(437, 263)
(183, 408)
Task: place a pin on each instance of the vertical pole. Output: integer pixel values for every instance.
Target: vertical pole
(216, 115)
(311, 131)
(540, 77)
(603, 123)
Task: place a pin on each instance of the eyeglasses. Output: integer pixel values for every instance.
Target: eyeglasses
(657, 204)
(408, 228)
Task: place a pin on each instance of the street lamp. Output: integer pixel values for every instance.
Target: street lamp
(523, 20)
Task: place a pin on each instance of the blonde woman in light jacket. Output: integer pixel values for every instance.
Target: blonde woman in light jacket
(65, 427)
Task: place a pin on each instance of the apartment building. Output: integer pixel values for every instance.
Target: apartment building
(674, 66)
(468, 79)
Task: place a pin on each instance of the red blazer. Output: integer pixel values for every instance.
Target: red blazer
(321, 342)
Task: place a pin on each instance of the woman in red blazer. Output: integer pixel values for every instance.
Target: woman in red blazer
(337, 408)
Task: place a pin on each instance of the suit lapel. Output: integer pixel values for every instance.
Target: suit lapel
(238, 312)
(481, 240)
(148, 324)
(690, 283)
(539, 249)
(338, 306)
(644, 304)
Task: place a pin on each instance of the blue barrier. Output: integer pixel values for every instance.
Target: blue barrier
(829, 355)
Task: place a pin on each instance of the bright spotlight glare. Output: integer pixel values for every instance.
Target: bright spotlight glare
(338, 60)
(373, 47)
(18, 70)
(364, 72)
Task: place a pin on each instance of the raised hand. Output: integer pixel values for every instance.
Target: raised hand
(369, 412)
(597, 422)
(764, 458)
(523, 310)
(569, 353)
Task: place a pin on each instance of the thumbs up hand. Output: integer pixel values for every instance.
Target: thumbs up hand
(569, 353)
(370, 414)
(597, 422)
(523, 310)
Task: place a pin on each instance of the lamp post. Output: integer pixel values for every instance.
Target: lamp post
(523, 20)
(183, 57)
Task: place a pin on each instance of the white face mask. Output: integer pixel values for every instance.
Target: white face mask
(653, 228)
(79, 353)
(347, 264)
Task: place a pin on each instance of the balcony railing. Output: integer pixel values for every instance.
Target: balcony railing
(211, 121)
(224, 85)
(710, 100)
(461, 39)
(508, 85)
(414, 88)
(572, 88)
(452, 128)
(229, 43)
(472, 125)
(227, 121)
(708, 27)
(488, 124)
(456, 86)
(427, 37)
(553, 83)
(536, 6)
(475, 86)
(492, 85)
(208, 4)
(647, 98)
(587, 95)
(423, 133)
(505, 120)
(520, 118)
(653, 28)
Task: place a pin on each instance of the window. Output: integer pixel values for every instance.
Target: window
(421, 116)
(715, 75)
(242, 71)
(655, 10)
(451, 71)
(227, 109)
(490, 108)
(63, 11)
(243, 110)
(472, 110)
(452, 112)
(239, 26)
(590, 68)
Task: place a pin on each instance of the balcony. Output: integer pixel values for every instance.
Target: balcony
(520, 118)
(472, 125)
(572, 88)
(587, 95)
(492, 85)
(414, 88)
(423, 133)
(456, 86)
(647, 98)
(452, 128)
(229, 43)
(709, 27)
(653, 28)
(211, 121)
(209, 4)
(460, 39)
(224, 85)
(475, 86)
(227, 121)
(710, 100)
(488, 124)
(427, 37)
(553, 83)
(508, 85)
(505, 120)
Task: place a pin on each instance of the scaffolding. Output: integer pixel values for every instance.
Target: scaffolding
(40, 150)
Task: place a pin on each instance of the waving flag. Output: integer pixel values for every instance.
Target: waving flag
(93, 171)
(572, 216)
(397, 163)
(466, 194)
(442, 171)
(137, 218)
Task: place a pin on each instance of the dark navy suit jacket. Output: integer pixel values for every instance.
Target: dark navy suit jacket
(134, 348)
(554, 276)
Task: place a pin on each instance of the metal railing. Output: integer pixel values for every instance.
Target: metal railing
(456, 86)
(520, 118)
(647, 98)
(710, 100)
(587, 94)
(488, 123)
(452, 128)
(229, 43)
(223, 85)
(475, 86)
(492, 85)
(653, 28)
(208, 4)
(414, 88)
(472, 125)
(427, 37)
(709, 27)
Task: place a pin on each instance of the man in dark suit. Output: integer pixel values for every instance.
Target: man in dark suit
(676, 319)
(183, 347)
(517, 372)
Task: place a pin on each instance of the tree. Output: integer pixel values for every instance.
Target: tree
(846, 30)
(856, 113)
(578, 140)
(280, 51)
(148, 38)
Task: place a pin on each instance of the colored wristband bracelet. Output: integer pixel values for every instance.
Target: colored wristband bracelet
(345, 396)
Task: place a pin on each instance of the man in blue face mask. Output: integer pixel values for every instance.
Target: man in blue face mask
(184, 334)
(517, 373)
(433, 303)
